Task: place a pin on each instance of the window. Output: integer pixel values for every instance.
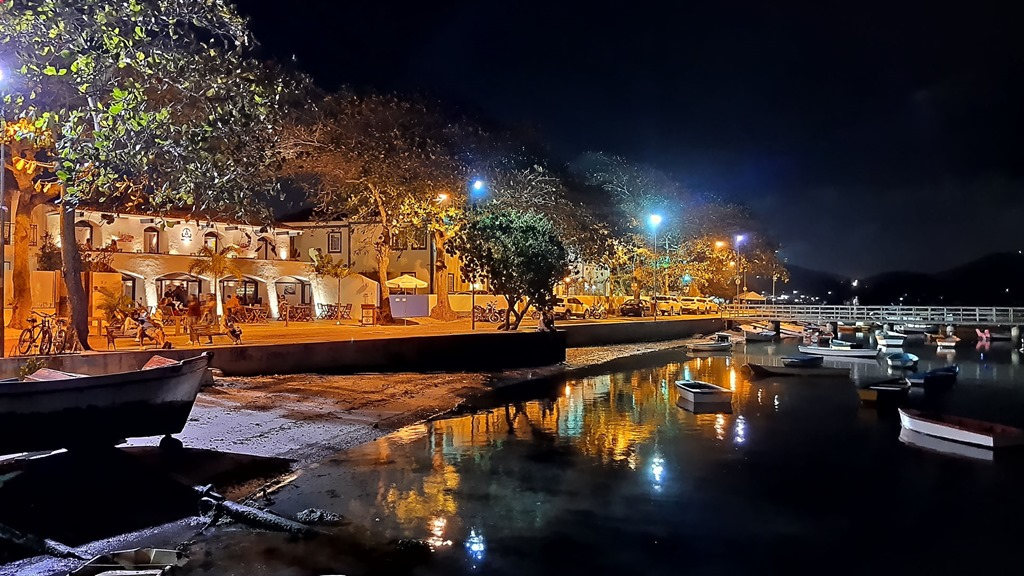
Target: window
(334, 242)
(419, 239)
(451, 282)
(33, 235)
(151, 240)
(399, 241)
(265, 248)
(210, 240)
(83, 234)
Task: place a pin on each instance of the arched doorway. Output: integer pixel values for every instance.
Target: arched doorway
(83, 234)
(151, 240)
(294, 290)
(212, 241)
(182, 286)
(246, 289)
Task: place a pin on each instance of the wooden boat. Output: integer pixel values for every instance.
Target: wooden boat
(52, 409)
(703, 392)
(959, 429)
(704, 407)
(884, 392)
(802, 361)
(720, 341)
(916, 328)
(754, 334)
(889, 339)
(763, 371)
(786, 330)
(839, 352)
(934, 444)
(940, 377)
(841, 344)
(901, 360)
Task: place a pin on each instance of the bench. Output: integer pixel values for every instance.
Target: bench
(197, 331)
(118, 331)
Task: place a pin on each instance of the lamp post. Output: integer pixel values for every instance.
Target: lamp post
(739, 262)
(478, 187)
(655, 220)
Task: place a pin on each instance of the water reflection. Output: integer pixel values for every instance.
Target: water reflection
(615, 452)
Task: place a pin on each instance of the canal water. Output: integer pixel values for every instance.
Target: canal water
(606, 474)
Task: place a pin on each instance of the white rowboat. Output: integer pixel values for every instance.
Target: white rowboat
(964, 430)
(703, 392)
(839, 352)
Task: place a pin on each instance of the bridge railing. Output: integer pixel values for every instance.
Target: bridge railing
(987, 315)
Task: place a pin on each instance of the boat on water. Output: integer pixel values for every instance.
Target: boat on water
(884, 393)
(901, 360)
(889, 339)
(755, 334)
(763, 371)
(700, 392)
(916, 328)
(933, 444)
(802, 361)
(947, 342)
(719, 342)
(51, 409)
(987, 336)
(839, 352)
(704, 407)
(940, 377)
(842, 344)
(786, 329)
(966, 430)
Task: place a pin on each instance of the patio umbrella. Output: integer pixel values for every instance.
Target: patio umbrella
(405, 282)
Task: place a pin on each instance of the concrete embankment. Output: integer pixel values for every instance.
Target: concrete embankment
(482, 351)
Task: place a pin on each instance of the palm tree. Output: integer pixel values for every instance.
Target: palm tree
(216, 264)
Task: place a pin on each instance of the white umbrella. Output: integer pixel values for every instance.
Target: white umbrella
(405, 282)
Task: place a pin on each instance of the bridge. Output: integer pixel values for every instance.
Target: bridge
(988, 316)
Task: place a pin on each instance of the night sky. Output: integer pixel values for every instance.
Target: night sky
(868, 137)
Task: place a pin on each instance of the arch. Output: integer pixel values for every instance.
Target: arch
(190, 284)
(247, 289)
(211, 239)
(295, 290)
(85, 234)
(151, 240)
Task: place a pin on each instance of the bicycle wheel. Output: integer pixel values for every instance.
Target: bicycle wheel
(25, 341)
(45, 342)
(60, 341)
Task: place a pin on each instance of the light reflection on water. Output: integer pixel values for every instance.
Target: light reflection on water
(613, 456)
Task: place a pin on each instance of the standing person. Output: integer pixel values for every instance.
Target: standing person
(193, 311)
(180, 294)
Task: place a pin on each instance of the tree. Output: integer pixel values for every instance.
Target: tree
(144, 104)
(324, 266)
(442, 217)
(215, 265)
(518, 253)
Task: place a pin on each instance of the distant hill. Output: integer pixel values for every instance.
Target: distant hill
(993, 280)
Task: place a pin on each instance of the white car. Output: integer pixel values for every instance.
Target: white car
(667, 305)
(570, 307)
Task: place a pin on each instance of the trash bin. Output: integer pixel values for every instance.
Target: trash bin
(368, 317)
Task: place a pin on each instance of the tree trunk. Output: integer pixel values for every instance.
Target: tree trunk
(72, 270)
(383, 262)
(21, 274)
(513, 313)
(443, 309)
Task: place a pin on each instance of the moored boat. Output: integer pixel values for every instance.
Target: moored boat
(719, 342)
(51, 410)
(901, 360)
(951, 448)
(884, 393)
(763, 371)
(890, 339)
(700, 392)
(802, 361)
(966, 430)
(839, 352)
(754, 334)
(940, 377)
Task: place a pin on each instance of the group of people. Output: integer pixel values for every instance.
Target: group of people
(150, 325)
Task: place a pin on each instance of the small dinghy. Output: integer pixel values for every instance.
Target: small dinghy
(965, 430)
(940, 377)
(699, 392)
(839, 352)
(720, 341)
(890, 339)
(901, 360)
(755, 334)
(933, 444)
(802, 361)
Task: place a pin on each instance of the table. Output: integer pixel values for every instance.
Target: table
(254, 315)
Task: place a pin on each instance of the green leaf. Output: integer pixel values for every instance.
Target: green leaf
(50, 71)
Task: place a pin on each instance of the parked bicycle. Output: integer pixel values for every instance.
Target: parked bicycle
(37, 335)
(595, 312)
(489, 313)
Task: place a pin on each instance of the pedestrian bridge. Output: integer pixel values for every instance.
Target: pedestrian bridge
(959, 316)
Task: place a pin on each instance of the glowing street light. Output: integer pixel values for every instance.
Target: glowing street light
(442, 197)
(740, 238)
(479, 188)
(719, 244)
(478, 185)
(655, 220)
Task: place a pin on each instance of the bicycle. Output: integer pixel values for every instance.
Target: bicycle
(491, 313)
(40, 334)
(65, 339)
(596, 312)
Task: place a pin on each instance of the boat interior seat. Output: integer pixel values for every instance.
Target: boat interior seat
(158, 362)
(46, 374)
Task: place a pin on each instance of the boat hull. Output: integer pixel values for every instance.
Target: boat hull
(839, 352)
(707, 394)
(818, 371)
(962, 430)
(710, 347)
(757, 336)
(883, 394)
(98, 410)
(934, 444)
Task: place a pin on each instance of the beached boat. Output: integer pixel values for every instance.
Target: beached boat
(901, 360)
(52, 409)
(703, 392)
(933, 444)
(889, 339)
(839, 352)
(138, 562)
(884, 393)
(719, 342)
(802, 361)
(754, 334)
(966, 430)
(940, 377)
(763, 371)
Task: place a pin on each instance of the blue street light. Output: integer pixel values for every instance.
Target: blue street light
(478, 185)
(477, 188)
(740, 238)
(655, 220)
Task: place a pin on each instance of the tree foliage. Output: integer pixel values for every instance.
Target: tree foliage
(518, 253)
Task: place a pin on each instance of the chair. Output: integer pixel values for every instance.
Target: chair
(346, 312)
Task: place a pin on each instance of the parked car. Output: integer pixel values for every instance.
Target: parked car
(640, 307)
(667, 305)
(572, 307)
(697, 305)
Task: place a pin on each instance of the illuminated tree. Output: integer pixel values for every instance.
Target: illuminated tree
(144, 104)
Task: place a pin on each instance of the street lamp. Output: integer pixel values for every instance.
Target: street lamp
(655, 220)
(477, 188)
(739, 239)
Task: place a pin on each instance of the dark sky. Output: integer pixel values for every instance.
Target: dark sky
(868, 136)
